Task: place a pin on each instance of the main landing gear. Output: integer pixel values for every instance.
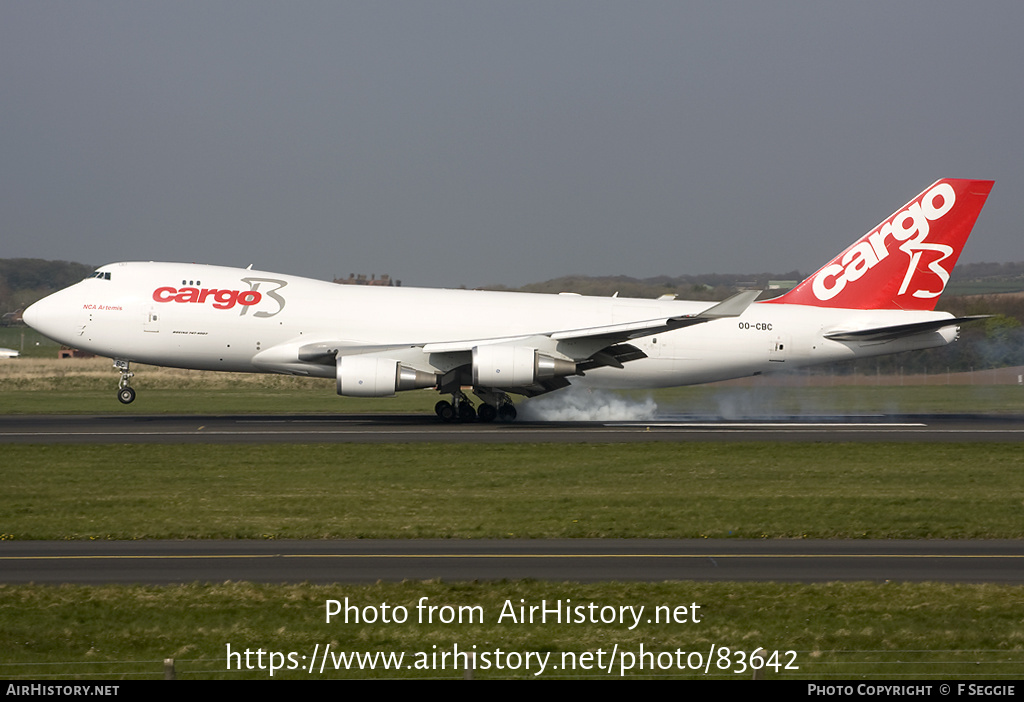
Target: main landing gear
(125, 393)
(460, 409)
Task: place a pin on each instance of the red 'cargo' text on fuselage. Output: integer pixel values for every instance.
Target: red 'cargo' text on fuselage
(222, 299)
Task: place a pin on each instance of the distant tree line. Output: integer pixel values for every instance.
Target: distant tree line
(25, 280)
(712, 286)
(978, 271)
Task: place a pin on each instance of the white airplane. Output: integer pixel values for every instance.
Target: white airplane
(876, 297)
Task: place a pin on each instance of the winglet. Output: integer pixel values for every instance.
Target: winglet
(732, 306)
(904, 262)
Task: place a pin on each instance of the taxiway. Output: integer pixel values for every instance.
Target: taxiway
(579, 560)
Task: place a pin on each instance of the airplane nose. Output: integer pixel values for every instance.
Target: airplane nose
(32, 316)
(49, 317)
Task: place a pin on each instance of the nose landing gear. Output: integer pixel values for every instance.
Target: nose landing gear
(125, 393)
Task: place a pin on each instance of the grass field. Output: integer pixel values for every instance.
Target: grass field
(650, 490)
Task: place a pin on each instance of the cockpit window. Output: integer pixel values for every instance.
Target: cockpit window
(102, 275)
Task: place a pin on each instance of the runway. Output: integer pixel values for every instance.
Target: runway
(579, 560)
(369, 428)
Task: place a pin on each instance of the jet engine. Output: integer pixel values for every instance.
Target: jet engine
(516, 366)
(369, 376)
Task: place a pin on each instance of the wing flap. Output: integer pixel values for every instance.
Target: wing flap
(614, 356)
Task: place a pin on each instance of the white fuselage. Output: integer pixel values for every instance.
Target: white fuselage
(230, 319)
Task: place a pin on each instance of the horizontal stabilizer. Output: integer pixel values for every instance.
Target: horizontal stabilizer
(900, 330)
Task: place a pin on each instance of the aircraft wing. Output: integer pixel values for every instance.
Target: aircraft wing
(900, 330)
(730, 307)
(572, 351)
(589, 340)
(614, 333)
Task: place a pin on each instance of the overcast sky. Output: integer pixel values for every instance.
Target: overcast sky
(470, 143)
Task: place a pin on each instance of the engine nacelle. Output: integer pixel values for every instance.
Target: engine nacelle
(515, 366)
(369, 376)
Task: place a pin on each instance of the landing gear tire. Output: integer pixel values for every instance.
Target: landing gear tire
(124, 392)
(507, 412)
(487, 413)
(445, 411)
(466, 412)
